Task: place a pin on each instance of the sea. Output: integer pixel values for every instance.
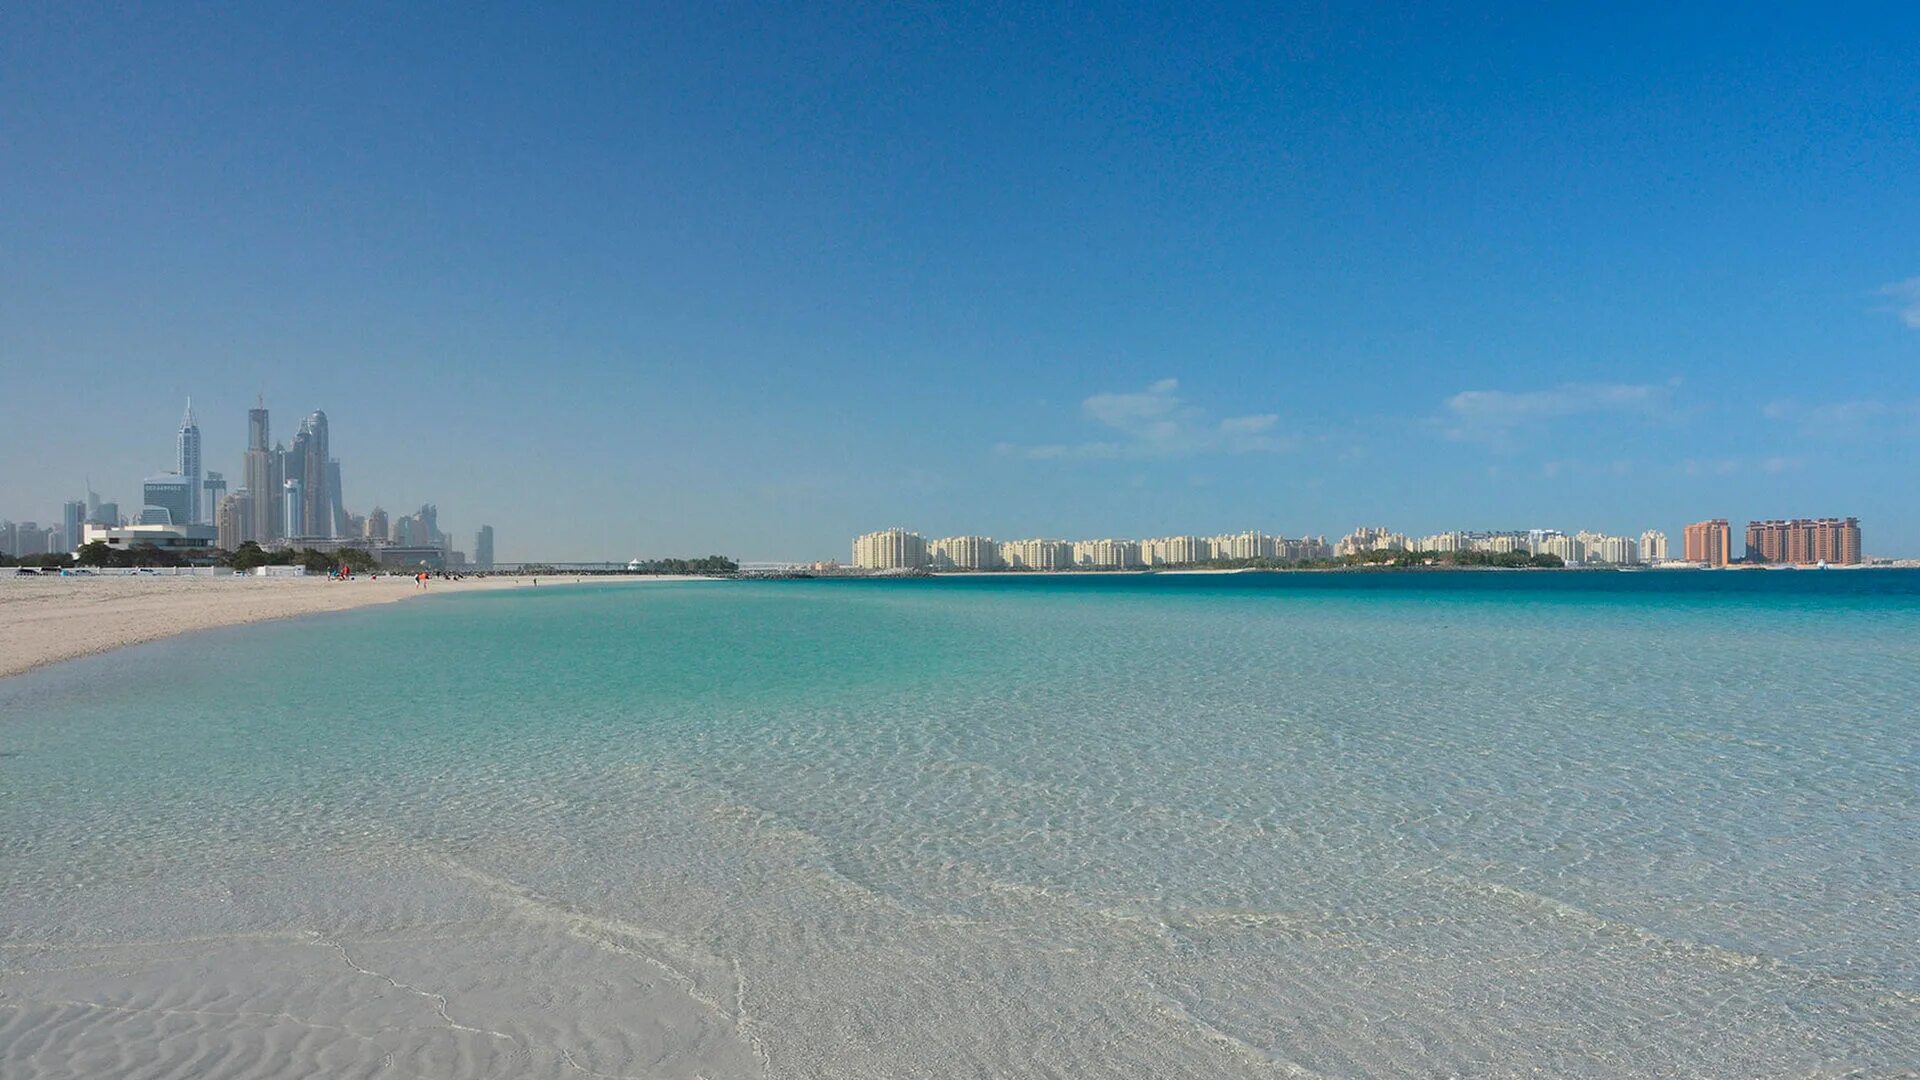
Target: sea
(1445, 824)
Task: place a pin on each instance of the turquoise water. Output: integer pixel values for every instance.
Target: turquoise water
(1312, 825)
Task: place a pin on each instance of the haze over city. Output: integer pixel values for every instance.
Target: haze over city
(672, 282)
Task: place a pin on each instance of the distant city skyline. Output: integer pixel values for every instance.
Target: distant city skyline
(1089, 272)
(306, 501)
(292, 496)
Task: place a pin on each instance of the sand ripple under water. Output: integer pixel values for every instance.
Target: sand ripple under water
(1181, 829)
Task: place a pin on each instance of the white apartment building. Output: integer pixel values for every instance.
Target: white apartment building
(1597, 547)
(890, 549)
(1037, 554)
(964, 553)
(1107, 554)
(1252, 544)
(1568, 548)
(1653, 546)
(1611, 550)
(1175, 551)
(1372, 539)
(1307, 547)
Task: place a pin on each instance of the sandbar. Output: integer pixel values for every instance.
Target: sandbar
(46, 619)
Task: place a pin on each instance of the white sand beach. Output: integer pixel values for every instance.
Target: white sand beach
(45, 619)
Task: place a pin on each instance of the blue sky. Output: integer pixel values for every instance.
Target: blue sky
(625, 280)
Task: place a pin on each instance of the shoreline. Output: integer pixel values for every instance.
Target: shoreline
(50, 620)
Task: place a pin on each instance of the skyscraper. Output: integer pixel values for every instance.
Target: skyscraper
(168, 492)
(376, 528)
(335, 500)
(232, 520)
(265, 522)
(187, 464)
(73, 515)
(213, 489)
(290, 509)
(483, 548)
(307, 462)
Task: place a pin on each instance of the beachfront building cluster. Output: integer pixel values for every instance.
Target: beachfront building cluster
(1805, 541)
(1584, 548)
(1787, 542)
(902, 549)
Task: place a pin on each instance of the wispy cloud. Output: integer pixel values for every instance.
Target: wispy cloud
(1500, 416)
(1729, 466)
(1904, 300)
(1158, 423)
(1850, 419)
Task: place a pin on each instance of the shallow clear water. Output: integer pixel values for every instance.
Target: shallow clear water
(1317, 825)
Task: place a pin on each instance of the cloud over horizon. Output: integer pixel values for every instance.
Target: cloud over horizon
(1158, 423)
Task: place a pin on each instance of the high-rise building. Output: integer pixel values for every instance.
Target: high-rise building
(340, 526)
(1567, 549)
(1709, 542)
(1653, 546)
(890, 549)
(1036, 554)
(293, 466)
(964, 553)
(233, 519)
(1107, 554)
(307, 462)
(187, 463)
(1182, 550)
(279, 458)
(260, 479)
(170, 492)
(1360, 540)
(214, 489)
(426, 526)
(483, 548)
(376, 527)
(73, 516)
(292, 505)
(1805, 541)
(1611, 550)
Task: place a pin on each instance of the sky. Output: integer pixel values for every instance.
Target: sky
(674, 279)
